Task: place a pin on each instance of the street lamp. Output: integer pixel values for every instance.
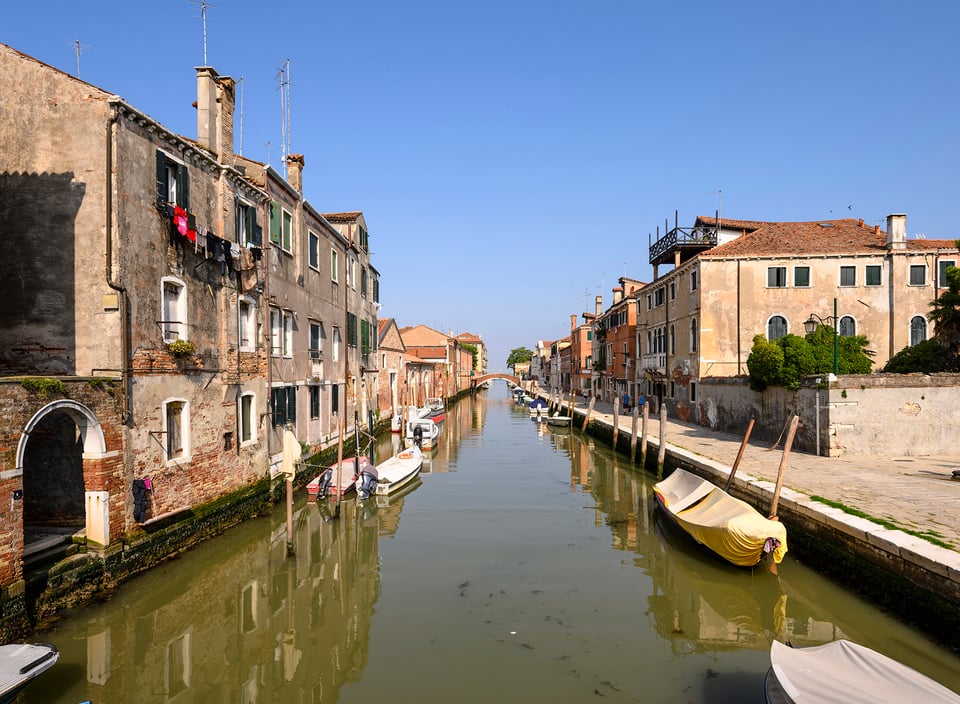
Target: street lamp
(811, 324)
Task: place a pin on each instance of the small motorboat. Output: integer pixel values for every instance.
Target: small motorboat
(538, 407)
(399, 470)
(423, 432)
(559, 421)
(20, 663)
(843, 671)
(435, 410)
(325, 483)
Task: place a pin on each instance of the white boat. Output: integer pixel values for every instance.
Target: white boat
(841, 672)
(20, 663)
(538, 407)
(426, 429)
(399, 470)
(732, 528)
(558, 421)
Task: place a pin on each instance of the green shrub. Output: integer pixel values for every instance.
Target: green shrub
(44, 386)
(927, 357)
(181, 348)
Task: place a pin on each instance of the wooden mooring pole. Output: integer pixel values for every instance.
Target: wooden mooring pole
(586, 418)
(616, 421)
(643, 435)
(633, 434)
(662, 452)
(736, 463)
(787, 444)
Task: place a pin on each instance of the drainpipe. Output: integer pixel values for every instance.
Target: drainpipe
(121, 290)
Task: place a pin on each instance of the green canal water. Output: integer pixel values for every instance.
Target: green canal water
(526, 564)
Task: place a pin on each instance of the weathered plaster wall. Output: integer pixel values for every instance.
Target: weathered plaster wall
(878, 414)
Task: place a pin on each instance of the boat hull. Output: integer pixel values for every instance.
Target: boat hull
(399, 470)
(20, 663)
(348, 479)
(729, 527)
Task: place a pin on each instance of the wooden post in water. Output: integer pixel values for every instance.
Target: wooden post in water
(788, 443)
(736, 463)
(586, 418)
(616, 421)
(643, 435)
(662, 452)
(633, 434)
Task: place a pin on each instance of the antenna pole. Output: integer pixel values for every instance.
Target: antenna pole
(76, 45)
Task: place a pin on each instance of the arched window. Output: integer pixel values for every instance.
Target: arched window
(918, 330)
(848, 326)
(776, 327)
(693, 335)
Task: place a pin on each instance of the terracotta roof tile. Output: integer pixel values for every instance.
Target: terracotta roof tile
(847, 236)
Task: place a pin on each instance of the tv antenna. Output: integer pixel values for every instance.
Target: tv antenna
(240, 100)
(203, 19)
(283, 76)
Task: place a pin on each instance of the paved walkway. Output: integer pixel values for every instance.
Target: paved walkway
(917, 493)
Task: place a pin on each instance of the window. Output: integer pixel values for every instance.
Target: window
(336, 344)
(918, 274)
(649, 301)
(314, 402)
(942, 267)
(776, 276)
(281, 333)
(693, 392)
(872, 275)
(918, 330)
(283, 405)
(248, 231)
(173, 309)
(248, 425)
(776, 327)
(673, 340)
(335, 399)
(376, 288)
(351, 271)
(848, 276)
(351, 330)
(316, 335)
(801, 276)
(246, 324)
(281, 226)
(693, 335)
(363, 282)
(176, 420)
(334, 266)
(658, 297)
(847, 327)
(693, 281)
(173, 183)
(314, 251)
(673, 290)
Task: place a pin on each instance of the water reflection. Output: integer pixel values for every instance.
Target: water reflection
(524, 550)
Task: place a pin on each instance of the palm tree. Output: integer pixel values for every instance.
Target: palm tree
(945, 314)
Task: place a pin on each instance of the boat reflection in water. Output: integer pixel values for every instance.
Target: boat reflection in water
(241, 618)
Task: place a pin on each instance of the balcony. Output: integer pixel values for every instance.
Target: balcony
(685, 241)
(654, 362)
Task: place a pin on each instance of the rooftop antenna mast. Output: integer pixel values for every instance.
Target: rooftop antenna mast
(284, 77)
(76, 48)
(240, 86)
(203, 19)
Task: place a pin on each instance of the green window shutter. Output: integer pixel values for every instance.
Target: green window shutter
(276, 215)
(238, 213)
(183, 187)
(292, 404)
(162, 189)
(364, 337)
(254, 230)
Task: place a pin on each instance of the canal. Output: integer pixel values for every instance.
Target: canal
(526, 564)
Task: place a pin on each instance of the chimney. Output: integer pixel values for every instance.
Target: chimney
(226, 101)
(860, 222)
(617, 295)
(897, 231)
(599, 306)
(207, 108)
(573, 322)
(295, 172)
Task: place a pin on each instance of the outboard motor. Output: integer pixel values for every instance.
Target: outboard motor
(418, 435)
(368, 484)
(325, 480)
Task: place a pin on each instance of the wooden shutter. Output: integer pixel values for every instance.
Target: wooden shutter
(276, 215)
(162, 189)
(183, 187)
(292, 404)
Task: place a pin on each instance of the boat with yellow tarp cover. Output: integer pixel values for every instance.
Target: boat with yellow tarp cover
(732, 528)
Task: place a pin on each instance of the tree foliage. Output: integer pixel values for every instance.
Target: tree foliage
(927, 357)
(518, 355)
(785, 361)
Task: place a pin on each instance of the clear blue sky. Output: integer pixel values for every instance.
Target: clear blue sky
(512, 156)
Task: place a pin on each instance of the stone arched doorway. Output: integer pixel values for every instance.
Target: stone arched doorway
(58, 442)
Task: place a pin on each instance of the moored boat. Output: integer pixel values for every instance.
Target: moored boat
(731, 528)
(538, 407)
(558, 420)
(424, 432)
(325, 483)
(399, 470)
(844, 671)
(435, 410)
(20, 663)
